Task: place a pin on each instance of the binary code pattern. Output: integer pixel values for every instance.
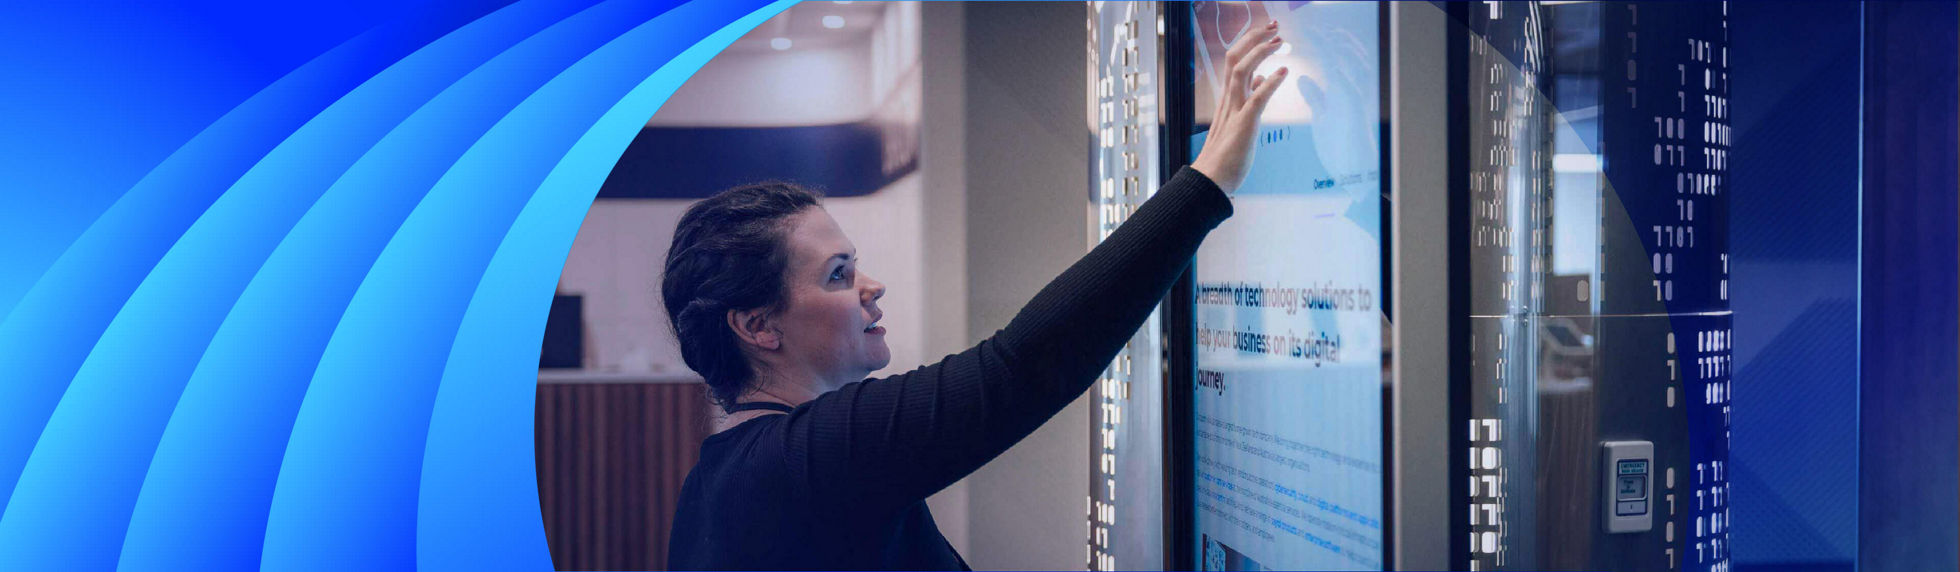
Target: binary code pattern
(1123, 508)
(1599, 142)
(1666, 146)
(1508, 186)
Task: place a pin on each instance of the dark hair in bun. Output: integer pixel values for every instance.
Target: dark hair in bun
(729, 253)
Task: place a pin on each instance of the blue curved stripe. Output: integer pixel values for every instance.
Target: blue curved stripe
(206, 496)
(73, 500)
(45, 338)
(97, 97)
(346, 496)
(479, 489)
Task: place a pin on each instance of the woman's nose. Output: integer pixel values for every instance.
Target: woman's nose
(873, 289)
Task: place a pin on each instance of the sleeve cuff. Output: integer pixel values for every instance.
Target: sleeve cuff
(1202, 194)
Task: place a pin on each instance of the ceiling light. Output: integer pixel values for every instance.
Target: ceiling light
(779, 43)
(833, 21)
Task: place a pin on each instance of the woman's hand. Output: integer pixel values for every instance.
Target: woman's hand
(1228, 149)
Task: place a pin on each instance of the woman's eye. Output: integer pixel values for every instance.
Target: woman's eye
(837, 274)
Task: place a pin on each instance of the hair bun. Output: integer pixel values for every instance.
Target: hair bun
(729, 252)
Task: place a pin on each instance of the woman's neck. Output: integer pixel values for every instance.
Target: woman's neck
(772, 391)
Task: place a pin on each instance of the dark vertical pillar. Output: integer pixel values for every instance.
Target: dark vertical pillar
(1909, 473)
(1457, 130)
(1794, 243)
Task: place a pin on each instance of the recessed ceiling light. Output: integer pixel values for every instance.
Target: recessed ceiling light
(779, 43)
(833, 21)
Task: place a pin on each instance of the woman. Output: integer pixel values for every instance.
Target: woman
(816, 467)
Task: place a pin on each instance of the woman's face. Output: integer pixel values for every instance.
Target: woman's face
(830, 324)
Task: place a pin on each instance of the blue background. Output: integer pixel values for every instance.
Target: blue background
(1794, 220)
(275, 276)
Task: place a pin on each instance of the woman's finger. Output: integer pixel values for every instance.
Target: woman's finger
(1248, 41)
(1264, 93)
(1223, 117)
(1217, 100)
(1242, 49)
(1234, 87)
(1250, 63)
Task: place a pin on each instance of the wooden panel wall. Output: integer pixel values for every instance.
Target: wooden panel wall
(611, 459)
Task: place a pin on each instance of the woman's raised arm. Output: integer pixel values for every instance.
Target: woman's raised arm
(883, 444)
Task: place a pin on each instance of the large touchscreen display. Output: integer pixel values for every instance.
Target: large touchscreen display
(1287, 406)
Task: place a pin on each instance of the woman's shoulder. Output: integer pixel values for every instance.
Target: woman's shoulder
(744, 460)
(755, 445)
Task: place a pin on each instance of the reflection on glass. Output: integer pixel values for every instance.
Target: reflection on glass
(1599, 264)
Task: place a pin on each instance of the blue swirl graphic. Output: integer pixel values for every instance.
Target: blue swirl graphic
(294, 325)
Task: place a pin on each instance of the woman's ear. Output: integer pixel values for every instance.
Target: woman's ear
(754, 327)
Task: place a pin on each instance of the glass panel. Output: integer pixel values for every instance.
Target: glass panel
(1125, 501)
(1598, 179)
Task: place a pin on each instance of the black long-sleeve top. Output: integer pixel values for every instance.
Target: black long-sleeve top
(841, 481)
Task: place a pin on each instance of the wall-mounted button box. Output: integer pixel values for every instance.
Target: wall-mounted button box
(1628, 489)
